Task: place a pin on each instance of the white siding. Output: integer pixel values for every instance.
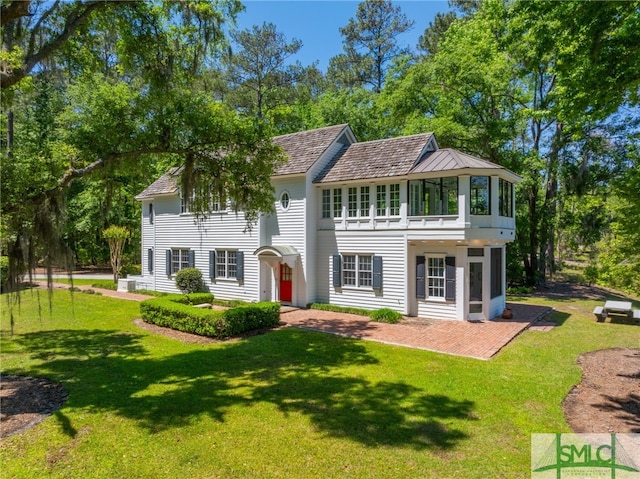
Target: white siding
(148, 242)
(390, 247)
(220, 231)
(313, 277)
(435, 309)
(287, 227)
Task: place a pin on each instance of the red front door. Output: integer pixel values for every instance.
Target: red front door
(285, 283)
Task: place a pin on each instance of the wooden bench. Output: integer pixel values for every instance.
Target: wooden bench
(600, 313)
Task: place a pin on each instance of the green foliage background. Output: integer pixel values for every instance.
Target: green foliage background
(548, 89)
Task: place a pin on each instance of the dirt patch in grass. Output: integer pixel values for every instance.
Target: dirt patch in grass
(25, 401)
(608, 397)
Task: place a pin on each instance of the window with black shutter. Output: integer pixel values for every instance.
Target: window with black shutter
(212, 265)
(240, 265)
(496, 272)
(377, 273)
(420, 278)
(450, 278)
(337, 276)
(150, 260)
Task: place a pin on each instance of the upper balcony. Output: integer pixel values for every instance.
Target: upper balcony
(452, 206)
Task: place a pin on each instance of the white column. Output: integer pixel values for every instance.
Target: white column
(464, 200)
(494, 199)
(462, 283)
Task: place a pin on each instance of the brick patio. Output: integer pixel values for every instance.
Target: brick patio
(480, 340)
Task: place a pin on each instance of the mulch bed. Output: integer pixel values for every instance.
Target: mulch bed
(608, 397)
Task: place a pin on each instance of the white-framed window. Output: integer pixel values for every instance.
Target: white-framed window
(480, 195)
(433, 196)
(352, 202)
(326, 203)
(505, 198)
(285, 200)
(179, 260)
(435, 277)
(216, 202)
(337, 202)
(388, 200)
(358, 202)
(381, 200)
(226, 264)
(364, 201)
(394, 200)
(184, 203)
(357, 271)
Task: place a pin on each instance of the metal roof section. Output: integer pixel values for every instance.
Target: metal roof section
(448, 159)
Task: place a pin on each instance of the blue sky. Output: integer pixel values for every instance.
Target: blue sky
(316, 23)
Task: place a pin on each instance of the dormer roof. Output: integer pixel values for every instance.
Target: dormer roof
(306, 147)
(377, 159)
(167, 184)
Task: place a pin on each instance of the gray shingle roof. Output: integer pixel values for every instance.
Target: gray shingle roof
(446, 159)
(302, 148)
(376, 159)
(305, 147)
(165, 185)
(357, 161)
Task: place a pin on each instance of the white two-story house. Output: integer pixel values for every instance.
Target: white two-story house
(396, 223)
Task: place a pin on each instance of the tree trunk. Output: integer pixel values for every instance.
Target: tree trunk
(551, 209)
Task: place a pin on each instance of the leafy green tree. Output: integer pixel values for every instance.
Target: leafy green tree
(116, 237)
(497, 87)
(370, 44)
(429, 40)
(359, 107)
(123, 97)
(258, 72)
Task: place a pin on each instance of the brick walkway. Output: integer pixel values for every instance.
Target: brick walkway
(480, 340)
(105, 292)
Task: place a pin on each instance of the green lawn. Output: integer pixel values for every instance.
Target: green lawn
(289, 404)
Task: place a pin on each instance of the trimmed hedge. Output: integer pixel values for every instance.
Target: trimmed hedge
(339, 309)
(177, 312)
(382, 315)
(385, 315)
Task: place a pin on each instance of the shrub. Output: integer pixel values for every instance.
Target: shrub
(385, 315)
(189, 280)
(104, 284)
(131, 269)
(590, 274)
(88, 291)
(339, 309)
(177, 312)
(517, 290)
